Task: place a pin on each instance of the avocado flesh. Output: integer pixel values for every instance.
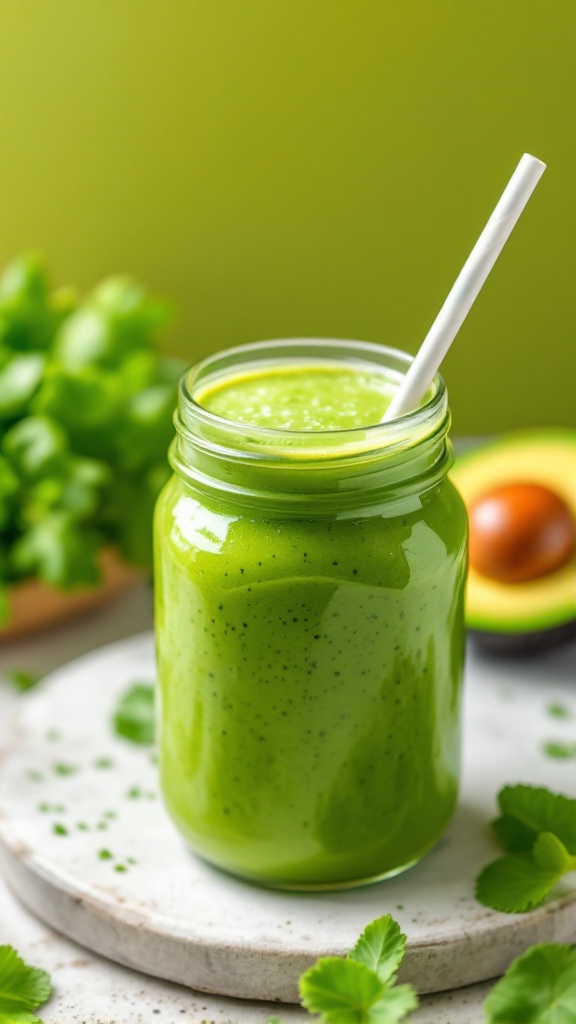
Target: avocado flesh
(521, 616)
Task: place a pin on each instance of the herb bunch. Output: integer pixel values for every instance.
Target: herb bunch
(86, 407)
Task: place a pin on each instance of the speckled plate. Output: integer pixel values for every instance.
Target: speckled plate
(86, 845)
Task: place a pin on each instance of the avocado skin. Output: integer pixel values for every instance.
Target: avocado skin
(514, 644)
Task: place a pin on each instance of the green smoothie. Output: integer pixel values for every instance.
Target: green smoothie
(310, 641)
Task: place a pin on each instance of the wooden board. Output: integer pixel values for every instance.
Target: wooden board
(70, 790)
(34, 605)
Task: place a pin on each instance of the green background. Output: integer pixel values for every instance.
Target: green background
(306, 167)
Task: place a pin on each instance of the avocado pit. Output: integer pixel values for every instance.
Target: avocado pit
(520, 532)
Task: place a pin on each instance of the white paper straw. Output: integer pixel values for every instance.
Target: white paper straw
(467, 286)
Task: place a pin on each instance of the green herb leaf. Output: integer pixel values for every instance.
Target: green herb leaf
(350, 992)
(4, 605)
(9, 488)
(23, 679)
(343, 991)
(19, 1017)
(551, 855)
(512, 835)
(118, 318)
(381, 947)
(22, 988)
(134, 715)
(36, 446)
(58, 551)
(556, 710)
(559, 750)
(539, 988)
(19, 380)
(519, 882)
(27, 314)
(397, 1001)
(86, 408)
(529, 810)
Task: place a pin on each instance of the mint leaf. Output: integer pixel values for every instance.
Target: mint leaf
(134, 715)
(529, 810)
(539, 988)
(381, 947)
(515, 883)
(22, 988)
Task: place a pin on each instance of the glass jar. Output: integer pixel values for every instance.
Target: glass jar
(310, 637)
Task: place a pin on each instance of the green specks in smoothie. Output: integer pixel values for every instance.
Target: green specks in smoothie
(53, 735)
(83, 826)
(120, 868)
(317, 648)
(558, 710)
(59, 829)
(105, 855)
(45, 808)
(34, 775)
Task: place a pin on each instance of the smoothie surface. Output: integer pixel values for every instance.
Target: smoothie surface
(293, 396)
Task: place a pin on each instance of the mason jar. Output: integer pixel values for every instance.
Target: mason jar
(309, 591)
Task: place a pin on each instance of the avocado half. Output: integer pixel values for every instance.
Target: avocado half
(519, 617)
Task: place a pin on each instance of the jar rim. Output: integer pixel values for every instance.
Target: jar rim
(393, 432)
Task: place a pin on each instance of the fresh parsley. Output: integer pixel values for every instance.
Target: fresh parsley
(134, 715)
(537, 829)
(22, 988)
(361, 989)
(86, 405)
